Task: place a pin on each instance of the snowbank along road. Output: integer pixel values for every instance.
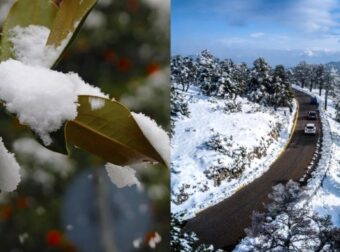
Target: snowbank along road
(223, 224)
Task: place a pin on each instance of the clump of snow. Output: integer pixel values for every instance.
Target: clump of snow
(158, 138)
(122, 176)
(223, 146)
(96, 103)
(41, 98)
(9, 170)
(29, 45)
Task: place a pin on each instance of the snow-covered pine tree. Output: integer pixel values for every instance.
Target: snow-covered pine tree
(189, 72)
(241, 77)
(227, 87)
(281, 92)
(208, 72)
(178, 105)
(289, 225)
(290, 76)
(330, 78)
(320, 77)
(176, 64)
(302, 74)
(337, 111)
(183, 71)
(181, 241)
(260, 82)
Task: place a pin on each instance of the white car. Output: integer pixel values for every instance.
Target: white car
(310, 129)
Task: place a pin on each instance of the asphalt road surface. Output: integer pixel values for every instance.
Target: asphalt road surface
(223, 224)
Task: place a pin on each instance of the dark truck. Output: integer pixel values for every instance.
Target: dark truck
(314, 101)
(312, 115)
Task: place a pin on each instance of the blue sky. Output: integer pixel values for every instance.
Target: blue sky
(284, 32)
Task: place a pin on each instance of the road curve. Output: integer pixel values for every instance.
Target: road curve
(223, 224)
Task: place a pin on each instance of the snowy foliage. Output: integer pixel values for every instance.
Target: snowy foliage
(289, 225)
(181, 241)
(183, 71)
(321, 77)
(225, 79)
(179, 106)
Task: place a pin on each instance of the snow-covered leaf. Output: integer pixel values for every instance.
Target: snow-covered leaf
(110, 132)
(37, 32)
(23, 14)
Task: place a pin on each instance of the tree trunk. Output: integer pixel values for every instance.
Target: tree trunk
(320, 90)
(326, 97)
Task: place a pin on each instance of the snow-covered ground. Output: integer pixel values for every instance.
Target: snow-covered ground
(221, 147)
(327, 199)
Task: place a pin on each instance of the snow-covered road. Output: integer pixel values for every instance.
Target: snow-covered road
(223, 224)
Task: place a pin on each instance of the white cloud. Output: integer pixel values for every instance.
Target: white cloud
(314, 15)
(309, 53)
(257, 35)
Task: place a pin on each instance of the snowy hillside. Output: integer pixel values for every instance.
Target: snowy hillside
(223, 145)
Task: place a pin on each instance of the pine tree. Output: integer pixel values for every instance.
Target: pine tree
(176, 70)
(181, 241)
(281, 92)
(337, 109)
(178, 105)
(227, 87)
(241, 78)
(183, 71)
(320, 77)
(208, 72)
(189, 72)
(289, 225)
(260, 82)
(302, 74)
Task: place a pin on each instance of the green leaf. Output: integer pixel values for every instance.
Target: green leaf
(69, 17)
(109, 132)
(24, 13)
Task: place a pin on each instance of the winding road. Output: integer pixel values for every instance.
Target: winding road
(223, 224)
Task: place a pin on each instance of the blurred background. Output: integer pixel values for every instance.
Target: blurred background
(69, 204)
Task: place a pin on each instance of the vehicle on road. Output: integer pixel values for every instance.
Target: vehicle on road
(312, 115)
(314, 101)
(310, 129)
